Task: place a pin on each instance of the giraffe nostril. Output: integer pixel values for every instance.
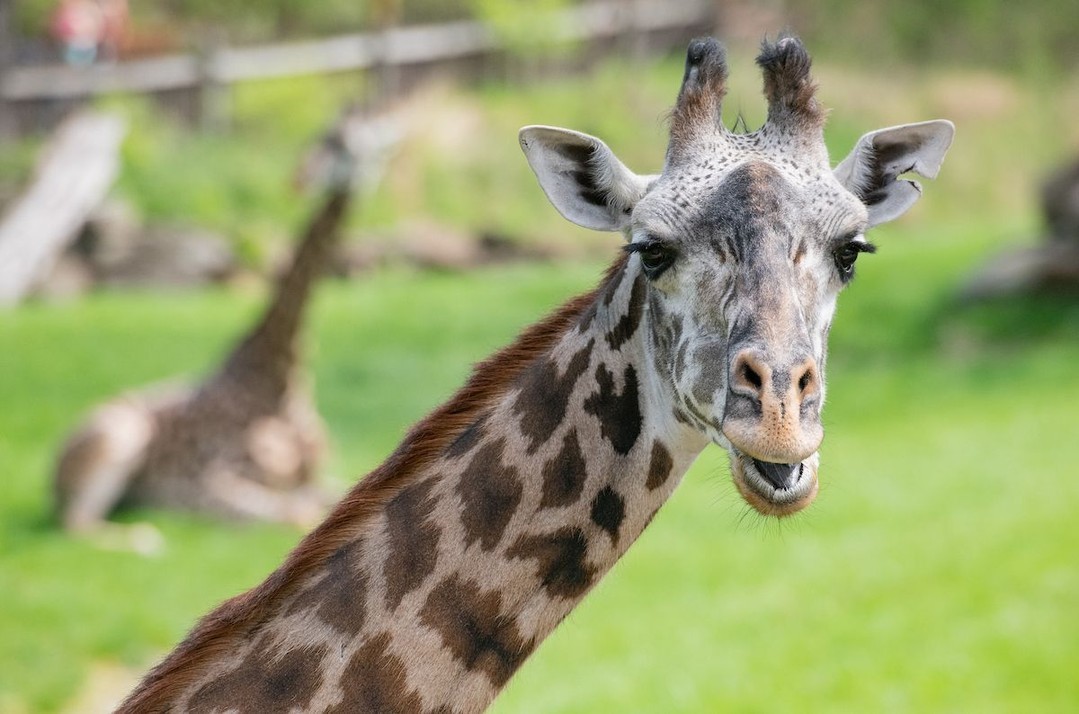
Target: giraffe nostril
(807, 381)
(751, 376)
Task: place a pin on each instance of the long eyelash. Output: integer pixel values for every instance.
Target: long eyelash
(863, 247)
(640, 245)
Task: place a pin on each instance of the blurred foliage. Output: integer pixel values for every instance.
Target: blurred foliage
(246, 20)
(523, 28)
(1037, 33)
(32, 16)
(458, 165)
(238, 183)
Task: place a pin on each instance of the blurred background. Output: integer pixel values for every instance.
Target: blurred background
(158, 159)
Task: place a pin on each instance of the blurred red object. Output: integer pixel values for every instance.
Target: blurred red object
(78, 26)
(95, 30)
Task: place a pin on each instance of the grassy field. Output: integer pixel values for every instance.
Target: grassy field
(936, 572)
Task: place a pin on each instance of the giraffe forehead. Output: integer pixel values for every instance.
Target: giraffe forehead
(721, 196)
(801, 159)
(696, 204)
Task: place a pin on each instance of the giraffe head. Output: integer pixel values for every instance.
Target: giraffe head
(744, 241)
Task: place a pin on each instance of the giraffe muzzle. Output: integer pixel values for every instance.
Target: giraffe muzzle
(772, 423)
(773, 415)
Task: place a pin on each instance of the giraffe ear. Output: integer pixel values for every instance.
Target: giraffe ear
(872, 170)
(582, 177)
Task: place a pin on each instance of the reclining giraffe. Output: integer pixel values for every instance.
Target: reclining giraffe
(247, 442)
(439, 573)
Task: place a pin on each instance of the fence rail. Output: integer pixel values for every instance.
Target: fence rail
(396, 47)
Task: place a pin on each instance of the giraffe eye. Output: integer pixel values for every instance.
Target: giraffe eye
(846, 255)
(845, 258)
(655, 256)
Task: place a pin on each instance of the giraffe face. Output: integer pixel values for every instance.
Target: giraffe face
(744, 257)
(745, 242)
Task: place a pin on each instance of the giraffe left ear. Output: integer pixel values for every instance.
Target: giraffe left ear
(872, 170)
(582, 177)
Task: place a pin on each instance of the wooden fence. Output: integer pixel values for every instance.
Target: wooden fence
(401, 47)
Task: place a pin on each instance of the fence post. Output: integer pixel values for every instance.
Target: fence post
(386, 16)
(7, 47)
(214, 97)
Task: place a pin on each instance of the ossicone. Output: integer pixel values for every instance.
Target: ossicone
(700, 100)
(788, 86)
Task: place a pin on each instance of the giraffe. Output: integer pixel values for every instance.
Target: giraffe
(435, 578)
(245, 443)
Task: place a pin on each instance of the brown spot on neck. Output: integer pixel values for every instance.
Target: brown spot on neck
(659, 469)
(608, 511)
(265, 682)
(413, 541)
(473, 628)
(338, 599)
(619, 414)
(544, 396)
(561, 561)
(490, 492)
(628, 323)
(469, 438)
(374, 681)
(611, 288)
(564, 475)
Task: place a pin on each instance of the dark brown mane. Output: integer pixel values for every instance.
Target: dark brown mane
(234, 619)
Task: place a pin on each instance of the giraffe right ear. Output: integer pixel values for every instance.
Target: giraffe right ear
(872, 170)
(582, 177)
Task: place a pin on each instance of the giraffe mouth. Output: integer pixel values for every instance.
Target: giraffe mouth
(774, 489)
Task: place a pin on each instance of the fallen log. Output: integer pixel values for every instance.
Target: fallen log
(75, 173)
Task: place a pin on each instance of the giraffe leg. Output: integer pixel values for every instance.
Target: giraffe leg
(95, 470)
(98, 463)
(232, 496)
(142, 537)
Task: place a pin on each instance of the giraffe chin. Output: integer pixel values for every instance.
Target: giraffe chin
(765, 498)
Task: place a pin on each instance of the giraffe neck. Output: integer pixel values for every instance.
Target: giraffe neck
(442, 571)
(263, 363)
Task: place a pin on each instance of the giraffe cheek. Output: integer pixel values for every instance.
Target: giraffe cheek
(709, 381)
